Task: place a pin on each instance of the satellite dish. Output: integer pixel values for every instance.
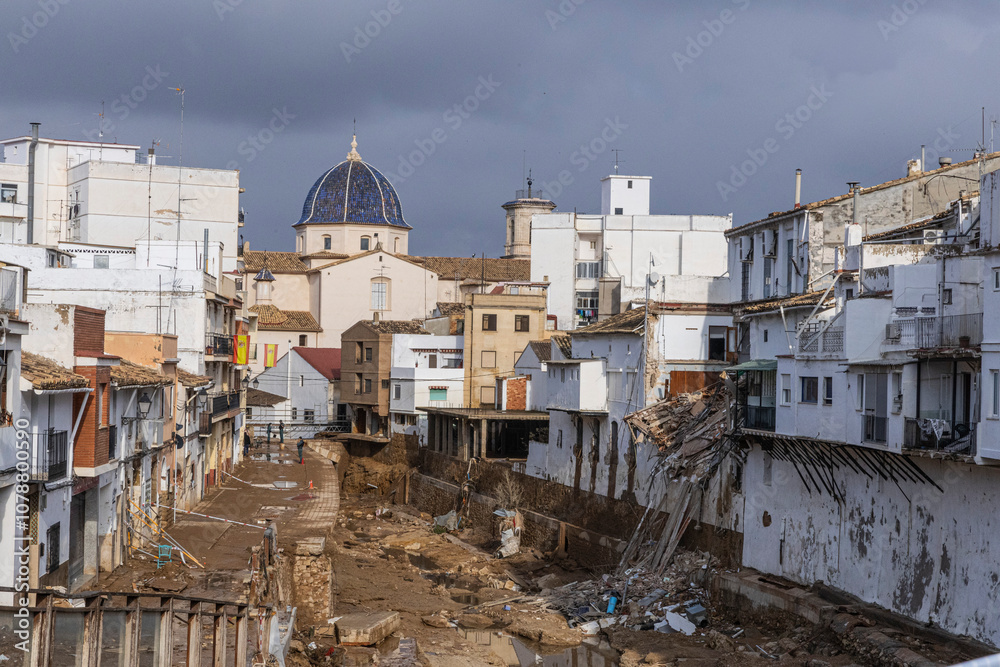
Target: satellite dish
(653, 278)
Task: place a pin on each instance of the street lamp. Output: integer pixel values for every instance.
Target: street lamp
(145, 403)
(202, 398)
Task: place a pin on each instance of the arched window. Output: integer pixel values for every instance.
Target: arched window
(366, 242)
(298, 243)
(327, 242)
(381, 293)
(395, 244)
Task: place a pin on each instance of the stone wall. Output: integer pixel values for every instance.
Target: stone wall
(311, 581)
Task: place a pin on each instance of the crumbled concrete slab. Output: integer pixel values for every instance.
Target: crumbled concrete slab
(366, 629)
(310, 546)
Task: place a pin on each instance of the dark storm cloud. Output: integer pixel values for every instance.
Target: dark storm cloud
(720, 102)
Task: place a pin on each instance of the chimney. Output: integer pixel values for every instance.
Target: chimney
(31, 182)
(857, 191)
(944, 161)
(798, 188)
(912, 167)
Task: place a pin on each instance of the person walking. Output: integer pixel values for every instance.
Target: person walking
(300, 445)
(246, 443)
(269, 433)
(281, 430)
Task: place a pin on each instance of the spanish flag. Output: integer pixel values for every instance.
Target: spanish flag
(270, 355)
(241, 345)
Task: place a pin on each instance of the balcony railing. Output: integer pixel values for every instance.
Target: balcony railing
(219, 345)
(51, 452)
(875, 428)
(222, 403)
(830, 341)
(938, 435)
(758, 417)
(944, 331)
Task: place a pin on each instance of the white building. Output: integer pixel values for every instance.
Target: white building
(109, 194)
(426, 371)
(307, 382)
(597, 263)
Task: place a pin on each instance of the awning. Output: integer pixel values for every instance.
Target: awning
(877, 362)
(755, 365)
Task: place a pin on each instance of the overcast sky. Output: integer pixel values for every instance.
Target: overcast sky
(451, 96)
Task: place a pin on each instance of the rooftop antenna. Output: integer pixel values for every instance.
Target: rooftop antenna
(100, 132)
(524, 165)
(529, 184)
(616, 151)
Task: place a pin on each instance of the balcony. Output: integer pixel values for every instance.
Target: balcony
(223, 403)
(51, 449)
(937, 435)
(219, 345)
(941, 331)
(758, 417)
(830, 342)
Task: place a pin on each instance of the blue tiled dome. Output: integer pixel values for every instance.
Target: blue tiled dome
(353, 192)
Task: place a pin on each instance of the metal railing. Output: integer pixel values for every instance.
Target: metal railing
(928, 434)
(757, 417)
(219, 345)
(51, 453)
(941, 331)
(831, 340)
(875, 428)
(224, 402)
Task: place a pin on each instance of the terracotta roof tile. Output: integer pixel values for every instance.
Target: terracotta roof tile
(464, 268)
(128, 374)
(796, 300)
(565, 345)
(192, 380)
(397, 326)
(449, 309)
(628, 322)
(44, 373)
(272, 318)
(542, 349)
(326, 360)
(258, 398)
(277, 262)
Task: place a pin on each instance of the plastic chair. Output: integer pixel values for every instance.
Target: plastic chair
(163, 556)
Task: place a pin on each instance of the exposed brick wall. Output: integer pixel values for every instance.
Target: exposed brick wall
(517, 394)
(88, 330)
(91, 446)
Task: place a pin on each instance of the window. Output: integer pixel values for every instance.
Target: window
(587, 300)
(619, 211)
(310, 415)
(380, 294)
(588, 269)
(521, 322)
(100, 261)
(995, 405)
(368, 385)
(768, 265)
(786, 389)
(368, 354)
(630, 185)
(8, 194)
(432, 361)
(385, 384)
(102, 399)
(397, 391)
(360, 352)
(295, 414)
(593, 245)
(861, 392)
(765, 335)
(439, 393)
(789, 263)
(487, 395)
(52, 545)
(615, 385)
(559, 438)
(302, 340)
(395, 244)
(302, 380)
(327, 242)
(946, 296)
(897, 393)
(717, 343)
(996, 279)
(366, 242)
(827, 391)
(745, 281)
(849, 293)
(489, 322)
(249, 412)
(489, 359)
(810, 390)
(357, 383)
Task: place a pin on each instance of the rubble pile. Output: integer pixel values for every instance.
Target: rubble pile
(636, 599)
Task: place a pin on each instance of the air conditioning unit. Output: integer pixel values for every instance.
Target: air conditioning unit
(893, 331)
(934, 236)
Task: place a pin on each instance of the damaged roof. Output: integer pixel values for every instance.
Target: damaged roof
(564, 344)
(262, 399)
(450, 309)
(794, 301)
(475, 268)
(44, 373)
(192, 380)
(128, 374)
(629, 322)
(397, 327)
